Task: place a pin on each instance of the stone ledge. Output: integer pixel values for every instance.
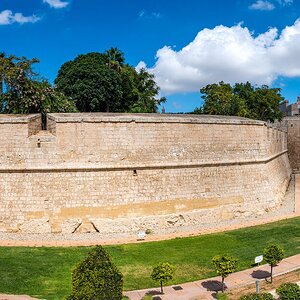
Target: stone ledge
(149, 118)
(95, 168)
(9, 119)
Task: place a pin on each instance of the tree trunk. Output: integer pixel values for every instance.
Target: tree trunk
(222, 284)
(161, 287)
(271, 273)
(107, 106)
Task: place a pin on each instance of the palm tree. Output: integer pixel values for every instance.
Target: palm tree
(115, 58)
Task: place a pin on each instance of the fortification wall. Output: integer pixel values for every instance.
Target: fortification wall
(122, 173)
(292, 126)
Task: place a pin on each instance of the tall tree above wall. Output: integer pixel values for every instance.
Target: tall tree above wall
(104, 82)
(22, 91)
(242, 99)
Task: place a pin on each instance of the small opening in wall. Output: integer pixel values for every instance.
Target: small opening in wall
(291, 125)
(134, 173)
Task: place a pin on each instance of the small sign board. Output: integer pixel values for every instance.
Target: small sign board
(259, 259)
(141, 235)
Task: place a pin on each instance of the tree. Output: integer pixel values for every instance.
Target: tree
(225, 265)
(24, 93)
(104, 82)
(115, 58)
(97, 278)
(163, 272)
(273, 254)
(242, 100)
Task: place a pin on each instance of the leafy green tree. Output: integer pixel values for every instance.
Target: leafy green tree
(163, 272)
(97, 278)
(24, 93)
(242, 100)
(288, 291)
(104, 82)
(273, 254)
(225, 265)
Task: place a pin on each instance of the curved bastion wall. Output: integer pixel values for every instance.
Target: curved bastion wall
(125, 172)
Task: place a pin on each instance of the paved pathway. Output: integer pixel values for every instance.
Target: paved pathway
(15, 297)
(205, 289)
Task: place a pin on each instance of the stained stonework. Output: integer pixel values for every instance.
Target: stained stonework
(121, 172)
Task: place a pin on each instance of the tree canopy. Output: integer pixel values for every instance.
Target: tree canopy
(273, 254)
(97, 278)
(225, 265)
(242, 99)
(22, 92)
(104, 82)
(163, 272)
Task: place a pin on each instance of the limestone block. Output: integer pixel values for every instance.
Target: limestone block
(36, 226)
(70, 225)
(85, 227)
(227, 214)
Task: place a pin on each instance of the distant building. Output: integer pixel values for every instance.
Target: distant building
(290, 109)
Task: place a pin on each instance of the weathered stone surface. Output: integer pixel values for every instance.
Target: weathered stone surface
(125, 173)
(85, 227)
(70, 225)
(36, 226)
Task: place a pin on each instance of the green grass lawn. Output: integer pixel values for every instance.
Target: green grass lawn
(46, 272)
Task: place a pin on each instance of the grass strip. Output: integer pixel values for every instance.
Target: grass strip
(46, 272)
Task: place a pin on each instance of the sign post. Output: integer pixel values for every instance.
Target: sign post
(259, 259)
(257, 284)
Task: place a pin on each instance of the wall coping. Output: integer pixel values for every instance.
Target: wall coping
(149, 118)
(23, 119)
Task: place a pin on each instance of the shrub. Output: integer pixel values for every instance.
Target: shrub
(273, 254)
(163, 272)
(96, 278)
(222, 296)
(288, 291)
(225, 265)
(263, 296)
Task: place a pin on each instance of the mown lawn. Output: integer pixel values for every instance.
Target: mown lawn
(46, 272)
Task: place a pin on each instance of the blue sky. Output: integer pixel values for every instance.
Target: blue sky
(186, 44)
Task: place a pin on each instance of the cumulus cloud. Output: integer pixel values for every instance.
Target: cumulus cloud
(232, 54)
(7, 17)
(262, 5)
(56, 3)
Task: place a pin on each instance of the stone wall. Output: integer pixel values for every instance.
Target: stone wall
(292, 126)
(122, 172)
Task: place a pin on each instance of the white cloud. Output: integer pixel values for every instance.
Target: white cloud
(232, 54)
(56, 3)
(140, 65)
(285, 2)
(262, 5)
(152, 15)
(7, 17)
